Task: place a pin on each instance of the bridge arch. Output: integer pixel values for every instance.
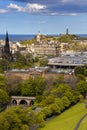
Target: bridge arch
(14, 102)
(23, 102)
(20, 100)
(31, 102)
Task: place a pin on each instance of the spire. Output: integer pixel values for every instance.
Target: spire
(7, 47)
(6, 53)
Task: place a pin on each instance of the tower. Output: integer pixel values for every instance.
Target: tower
(38, 37)
(7, 46)
(6, 53)
(67, 31)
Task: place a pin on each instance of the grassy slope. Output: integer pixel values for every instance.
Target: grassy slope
(83, 125)
(68, 119)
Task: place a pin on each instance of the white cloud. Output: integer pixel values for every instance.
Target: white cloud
(3, 11)
(35, 6)
(63, 14)
(14, 6)
(30, 8)
(54, 13)
(66, 1)
(69, 14)
(73, 14)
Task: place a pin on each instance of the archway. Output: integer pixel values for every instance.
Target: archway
(23, 102)
(31, 102)
(14, 102)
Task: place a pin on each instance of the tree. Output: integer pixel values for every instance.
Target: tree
(11, 120)
(64, 90)
(4, 98)
(33, 86)
(40, 85)
(3, 81)
(79, 70)
(13, 84)
(43, 62)
(4, 65)
(82, 88)
(19, 118)
(57, 107)
(66, 102)
(85, 72)
(28, 87)
(81, 77)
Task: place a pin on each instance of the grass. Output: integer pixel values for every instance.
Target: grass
(68, 119)
(83, 125)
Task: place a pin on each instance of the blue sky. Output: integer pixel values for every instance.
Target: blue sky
(46, 16)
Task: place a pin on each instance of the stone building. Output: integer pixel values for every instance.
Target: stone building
(45, 49)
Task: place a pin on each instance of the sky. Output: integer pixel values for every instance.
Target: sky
(46, 16)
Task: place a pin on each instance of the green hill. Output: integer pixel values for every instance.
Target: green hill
(69, 119)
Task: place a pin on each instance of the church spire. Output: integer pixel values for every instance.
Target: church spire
(7, 47)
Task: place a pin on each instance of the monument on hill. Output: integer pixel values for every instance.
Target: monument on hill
(67, 31)
(38, 37)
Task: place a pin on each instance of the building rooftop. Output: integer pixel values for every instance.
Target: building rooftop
(69, 59)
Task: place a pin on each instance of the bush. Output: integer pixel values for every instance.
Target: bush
(47, 112)
(66, 102)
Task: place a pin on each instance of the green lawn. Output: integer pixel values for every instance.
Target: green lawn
(68, 119)
(83, 125)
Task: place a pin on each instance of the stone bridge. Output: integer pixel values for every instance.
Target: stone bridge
(21, 100)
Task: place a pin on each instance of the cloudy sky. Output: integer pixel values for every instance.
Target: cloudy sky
(46, 16)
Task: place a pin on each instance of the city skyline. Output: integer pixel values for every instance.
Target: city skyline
(47, 16)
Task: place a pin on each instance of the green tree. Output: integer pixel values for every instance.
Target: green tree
(43, 62)
(33, 86)
(13, 86)
(85, 72)
(81, 77)
(79, 70)
(82, 88)
(57, 107)
(66, 102)
(18, 118)
(4, 98)
(28, 87)
(3, 81)
(40, 85)
(64, 90)
(4, 65)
